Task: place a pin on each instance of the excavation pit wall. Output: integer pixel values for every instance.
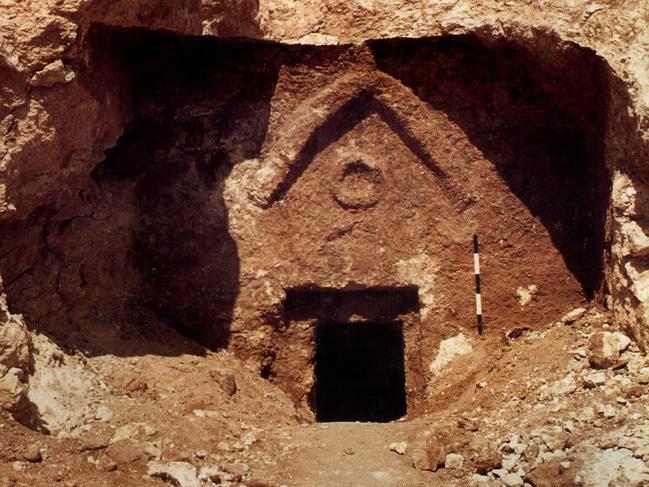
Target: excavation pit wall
(249, 170)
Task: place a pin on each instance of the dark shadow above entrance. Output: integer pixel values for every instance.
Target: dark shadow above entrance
(379, 304)
(360, 372)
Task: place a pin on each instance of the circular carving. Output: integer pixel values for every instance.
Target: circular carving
(359, 186)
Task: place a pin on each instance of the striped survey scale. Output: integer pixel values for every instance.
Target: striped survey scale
(476, 271)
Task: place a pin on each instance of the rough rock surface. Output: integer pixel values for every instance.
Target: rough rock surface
(134, 198)
(51, 83)
(604, 348)
(15, 355)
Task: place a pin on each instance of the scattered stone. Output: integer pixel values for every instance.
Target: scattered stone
(606, 410)
(644, 376)
(224, 377)
(572, 316)
(510, 461)
(52, 74)
(13, 390)
(468, 424)
(516, 332)
(525, 294)
(213, 474)
(152, 452)
(95, 439)
(595, 379)
(530, 453)
(103, 413)
(15, 342)
(248, 439)
(586, 414)
(31, 454)
(604, 348)
(399, 447)
(125, 452)
(428, 455)
(553, 473)
(182, 474)
(488, 458)
(636, 242)
(563, 387)
(238, 469)
(448, 350)
(614, 467)
(454, 461)
(635, 390)
(512, 480)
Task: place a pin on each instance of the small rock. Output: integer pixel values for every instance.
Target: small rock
(224, 377)
(454, 461)
(182, 474)
(13, 390)
(530, 453)
(103, 413)
(249, 438)
(214, 474)
(152, 452)
(606, 410)
(52, 74)
(554, 472)
(382, 476)
(595, 379)
(614, 467)
(635, 390)
(399, 447)
(239, 469)
(488, 458)
(644, 376)
(516, 332)
(563, 387)
(125, 452)
(510, 461)
(95, 439)
(448, 350)
(512, 480)
(31, 454)
(586, 414)
(15, 341)
(572, 316)
(428, 455)
(604, 348)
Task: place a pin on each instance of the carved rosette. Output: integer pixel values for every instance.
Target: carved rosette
(359, 184)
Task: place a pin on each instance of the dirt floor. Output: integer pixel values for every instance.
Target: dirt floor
(536, 411)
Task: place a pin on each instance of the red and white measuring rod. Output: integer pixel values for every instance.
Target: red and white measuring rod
(476, 271)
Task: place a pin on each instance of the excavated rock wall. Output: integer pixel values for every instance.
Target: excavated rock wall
(92, 229)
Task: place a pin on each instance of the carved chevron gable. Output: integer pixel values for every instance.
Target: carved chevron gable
(336, 110)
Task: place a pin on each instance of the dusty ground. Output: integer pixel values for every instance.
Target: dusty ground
(534, 412)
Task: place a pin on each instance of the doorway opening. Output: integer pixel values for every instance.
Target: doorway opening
(359, 371)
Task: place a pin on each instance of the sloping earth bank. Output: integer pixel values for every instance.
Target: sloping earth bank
(542, 412)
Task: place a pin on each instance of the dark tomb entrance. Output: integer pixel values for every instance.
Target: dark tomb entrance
(360, 372)
(366, 362)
